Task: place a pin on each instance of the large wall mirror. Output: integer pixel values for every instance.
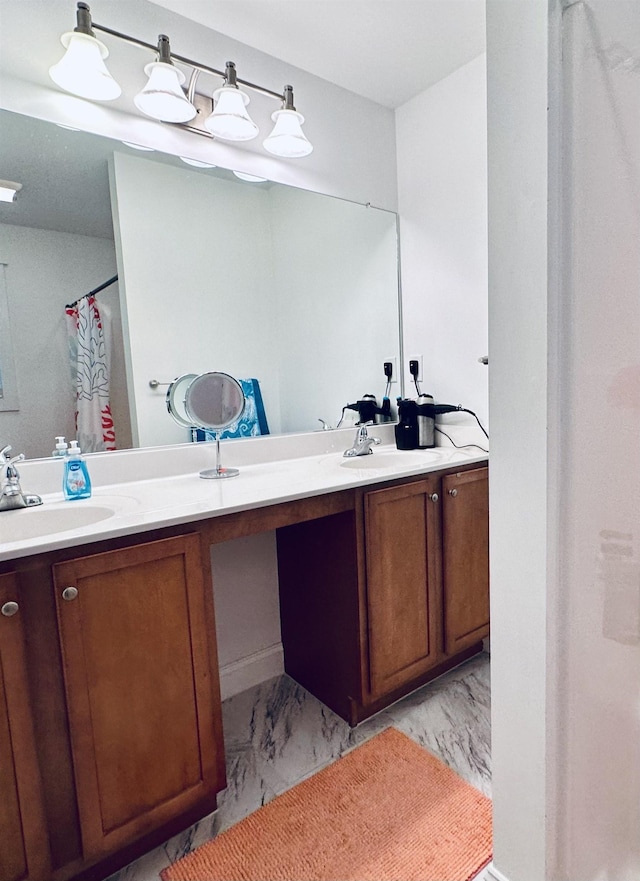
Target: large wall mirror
(292, 288)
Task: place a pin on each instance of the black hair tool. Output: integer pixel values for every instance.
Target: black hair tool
(367, 408)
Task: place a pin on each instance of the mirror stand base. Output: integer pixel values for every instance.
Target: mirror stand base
(219, 473)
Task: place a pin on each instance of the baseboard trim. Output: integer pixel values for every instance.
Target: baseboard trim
(249, 671)
(496, 873)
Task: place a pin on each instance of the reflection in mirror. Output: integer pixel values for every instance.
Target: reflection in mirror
(214, 401)
(296, 289)
(176, 399)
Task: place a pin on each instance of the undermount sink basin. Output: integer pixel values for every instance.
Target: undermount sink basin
(390, 458)
(55, 517)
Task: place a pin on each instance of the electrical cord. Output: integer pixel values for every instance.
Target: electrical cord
(461, 446)
(464, 410)
(439, 409)
(341, 417)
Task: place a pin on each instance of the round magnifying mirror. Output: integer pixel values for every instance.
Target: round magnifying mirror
(214, 401)
(175, 396)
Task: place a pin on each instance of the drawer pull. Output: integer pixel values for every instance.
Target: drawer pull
(453, 492)
(69, 593)
(9, 609)
(434, 497)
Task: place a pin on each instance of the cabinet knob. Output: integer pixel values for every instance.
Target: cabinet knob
(69, 593)
(9, 609)
(453, 492)
(434, 497)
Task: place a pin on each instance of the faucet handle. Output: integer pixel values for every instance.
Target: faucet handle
(4, 453)
(8, 465)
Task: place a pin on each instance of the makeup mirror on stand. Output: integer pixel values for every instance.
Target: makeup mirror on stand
(211, 401)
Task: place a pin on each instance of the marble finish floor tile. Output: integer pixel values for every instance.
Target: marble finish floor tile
(277, 734)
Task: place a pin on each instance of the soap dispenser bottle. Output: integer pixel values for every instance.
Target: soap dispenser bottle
(61, 448)
(76, 483)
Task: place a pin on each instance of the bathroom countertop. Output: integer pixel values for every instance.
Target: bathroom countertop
(131, 507)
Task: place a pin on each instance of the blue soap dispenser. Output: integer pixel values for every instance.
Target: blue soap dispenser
(76, 483)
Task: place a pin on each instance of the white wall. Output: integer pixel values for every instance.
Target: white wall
(442, 196)
(565, 408)
(294, 288)
(46, 270)
(523, 62)
(245, 586)
(599, 682)
(335, 273)
(176, 264)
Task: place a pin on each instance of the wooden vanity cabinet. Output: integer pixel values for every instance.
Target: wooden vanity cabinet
(139, 688)
(465, 548)
(23, 835)
(127, 735)
(378, 600)
(402, 548)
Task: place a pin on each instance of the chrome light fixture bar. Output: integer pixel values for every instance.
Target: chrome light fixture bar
(82, 72)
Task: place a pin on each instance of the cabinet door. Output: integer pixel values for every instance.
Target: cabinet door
(23, 838)
(143, 710)
(465, 512)
(402, 565)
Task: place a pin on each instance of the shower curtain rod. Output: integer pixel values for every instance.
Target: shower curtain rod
(97, 290)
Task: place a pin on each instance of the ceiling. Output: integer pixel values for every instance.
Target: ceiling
(385, 50)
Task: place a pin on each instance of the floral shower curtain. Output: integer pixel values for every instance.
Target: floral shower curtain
(90, 372)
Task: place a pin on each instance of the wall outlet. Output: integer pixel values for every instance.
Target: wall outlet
(417, 358)
(394, 365)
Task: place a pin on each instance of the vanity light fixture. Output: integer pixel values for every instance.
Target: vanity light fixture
(230, 120)
(138, 146)
(82, 72)
(162, 98)
(9, 191)
(287, 138)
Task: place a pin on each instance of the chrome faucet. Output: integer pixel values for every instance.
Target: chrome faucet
(362, 443)
(11, 495)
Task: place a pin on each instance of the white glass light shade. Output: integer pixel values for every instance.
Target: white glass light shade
(82, 70)
(197, 163)
(252, 178)
(162, 98)
(230, 120)
(287, 138)
(9, 190)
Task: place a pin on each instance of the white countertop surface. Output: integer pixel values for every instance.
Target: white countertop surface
(132, 506)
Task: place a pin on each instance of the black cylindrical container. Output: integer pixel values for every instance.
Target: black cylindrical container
(426, 422)
(367, 409)
(407, 428)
